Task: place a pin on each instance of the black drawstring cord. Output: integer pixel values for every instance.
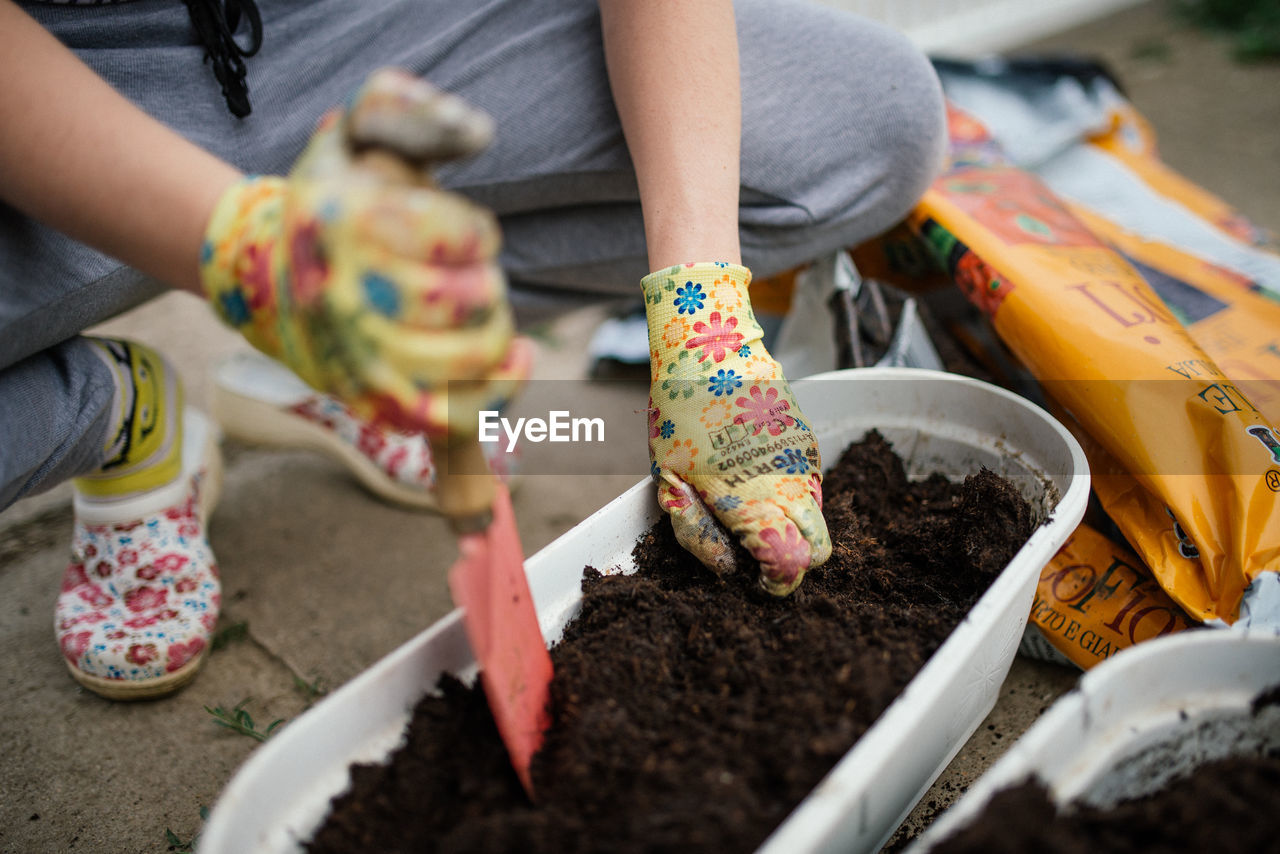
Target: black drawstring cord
(216, 24)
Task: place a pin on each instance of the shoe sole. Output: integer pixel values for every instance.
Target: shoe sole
(142, 689)
(254, 422)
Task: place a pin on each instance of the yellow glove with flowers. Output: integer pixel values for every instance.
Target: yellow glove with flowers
(362, 276)
(726, 439)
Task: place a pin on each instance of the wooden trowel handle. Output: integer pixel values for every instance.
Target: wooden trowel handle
(464, 485)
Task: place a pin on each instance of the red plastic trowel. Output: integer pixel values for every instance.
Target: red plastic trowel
(489, 584)
(397, 129)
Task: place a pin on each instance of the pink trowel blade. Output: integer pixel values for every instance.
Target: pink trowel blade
(488, 583)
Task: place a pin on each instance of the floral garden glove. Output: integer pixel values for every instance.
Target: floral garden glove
(726, 439)
(362, 276)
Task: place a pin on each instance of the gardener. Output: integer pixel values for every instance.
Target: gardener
(811, 130)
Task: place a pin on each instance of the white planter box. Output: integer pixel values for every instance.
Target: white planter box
(1138, 721)
(936, 421)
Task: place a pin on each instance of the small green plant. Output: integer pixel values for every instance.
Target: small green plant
(239, 720)
(1151, 50)
(313, 690)
(1254, 25)
(228, 635)
(176, 844)
(543, 333)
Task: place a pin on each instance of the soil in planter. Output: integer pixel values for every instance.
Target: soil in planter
(691, 712)
(1228, 807)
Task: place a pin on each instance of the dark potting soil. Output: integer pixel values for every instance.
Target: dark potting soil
(1227, 807)
(692, 712)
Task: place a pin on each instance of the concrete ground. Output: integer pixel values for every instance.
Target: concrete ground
(320, 580)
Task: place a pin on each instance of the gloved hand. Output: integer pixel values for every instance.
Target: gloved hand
(362, 276)
(726, 439)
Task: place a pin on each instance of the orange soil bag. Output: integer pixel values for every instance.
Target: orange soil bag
(1096, 598)
(1174, 436)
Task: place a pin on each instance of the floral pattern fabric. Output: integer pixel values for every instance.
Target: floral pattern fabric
(402, 457)
(726, 438)
(140, 599)
(364, 278)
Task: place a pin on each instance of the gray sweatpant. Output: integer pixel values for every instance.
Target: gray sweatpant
(842, 132)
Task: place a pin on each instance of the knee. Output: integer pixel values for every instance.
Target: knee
(908, 147)
(860, 136)
(892, 122)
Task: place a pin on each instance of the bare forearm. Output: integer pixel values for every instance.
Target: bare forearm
(673, 66)
(80, 157)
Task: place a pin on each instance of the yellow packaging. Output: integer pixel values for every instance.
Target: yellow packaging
(1131, 141)
(1170, 555)
(1096, 598)
(1225, 313)
(772, 294)
(1113, 355)
(1222, 310)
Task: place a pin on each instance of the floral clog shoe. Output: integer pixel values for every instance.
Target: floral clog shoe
(259, 401)
(141, 596)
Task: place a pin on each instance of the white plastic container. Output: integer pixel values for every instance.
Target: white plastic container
(936, 422)
(1138, 721)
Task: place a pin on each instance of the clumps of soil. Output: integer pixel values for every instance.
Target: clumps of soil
(1265, 699)
(1228, 807)
(693, 712)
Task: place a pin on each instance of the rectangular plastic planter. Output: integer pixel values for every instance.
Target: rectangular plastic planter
(936, 422)
(1138, 721)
